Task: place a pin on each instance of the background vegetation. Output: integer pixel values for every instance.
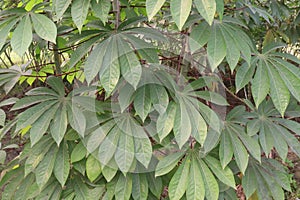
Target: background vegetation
(149, 99)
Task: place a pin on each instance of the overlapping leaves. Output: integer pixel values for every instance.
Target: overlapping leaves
(195, 177)
(223, 39)
(52, 111)
(24, 23)
(274, 74)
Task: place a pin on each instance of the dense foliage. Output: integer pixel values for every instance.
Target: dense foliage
(149, 99)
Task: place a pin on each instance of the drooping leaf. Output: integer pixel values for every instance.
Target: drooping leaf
(123, 187)
(101, 9)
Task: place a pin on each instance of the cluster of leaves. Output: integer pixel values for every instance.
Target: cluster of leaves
(139, 129)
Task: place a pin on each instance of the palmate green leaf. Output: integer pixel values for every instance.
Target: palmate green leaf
(79, 12)
(40, 126)
(226, 149)
(45, 167)
(82, 50)
(11, 188)
(279, 92)
(39, 91)
(57, 85)
(290, 75)
(22, 36)
(180, 10)
(124, 155)
(199, 36)
(210, 183)
(168, 163)
(93, 168)
(31, 100)
(142, 102)
(38, 152)
(165, 121)
(76, 119)
(216, 47)
(139, 187)
(159, 98)
(123, 187)
(260, 84)
(101, 9)
(143, 150)
(59, 125)
(266, 179)
(111, 143)
(207, 9)
(179, 181)
(182, 124)
(225, 175)
(62, 164)
(251, 144)
(240, 153)
(243, 75)
(61, 7)
(153, 6)
(44, 27)
(4, 31)
(125, 97)
(78, 153)
(96, 137)
(110, 170)
(199, 127)
(195, 187)
(265, 138)
(155, 184)
(95, 60)
(32, 114)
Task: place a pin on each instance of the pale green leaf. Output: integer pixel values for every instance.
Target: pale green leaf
(59, 124)
(182, 125)
(93, 168)
(195, 187)
(179, 181)
(44, 169)
(40, 126)
(44, 27)
(216, 47)
(279, 93)
(124, 155)
(78, 153)
(210, 183)
(243, 75)
(2, 117)
(199, 36)
(62, 164)
(260, 84)
(139, 186)
(79, 12)
(225, 175)
(153, 6)
(4, 31)
(142, 102)
(226, 149)
(168, 163)
(22, 36)
(143, 150)
(165, 121)
(180, 11)
(61, 7)
(207, 9)
(101, 9)
(123, 187)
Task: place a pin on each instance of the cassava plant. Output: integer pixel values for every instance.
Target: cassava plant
(149, 99)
